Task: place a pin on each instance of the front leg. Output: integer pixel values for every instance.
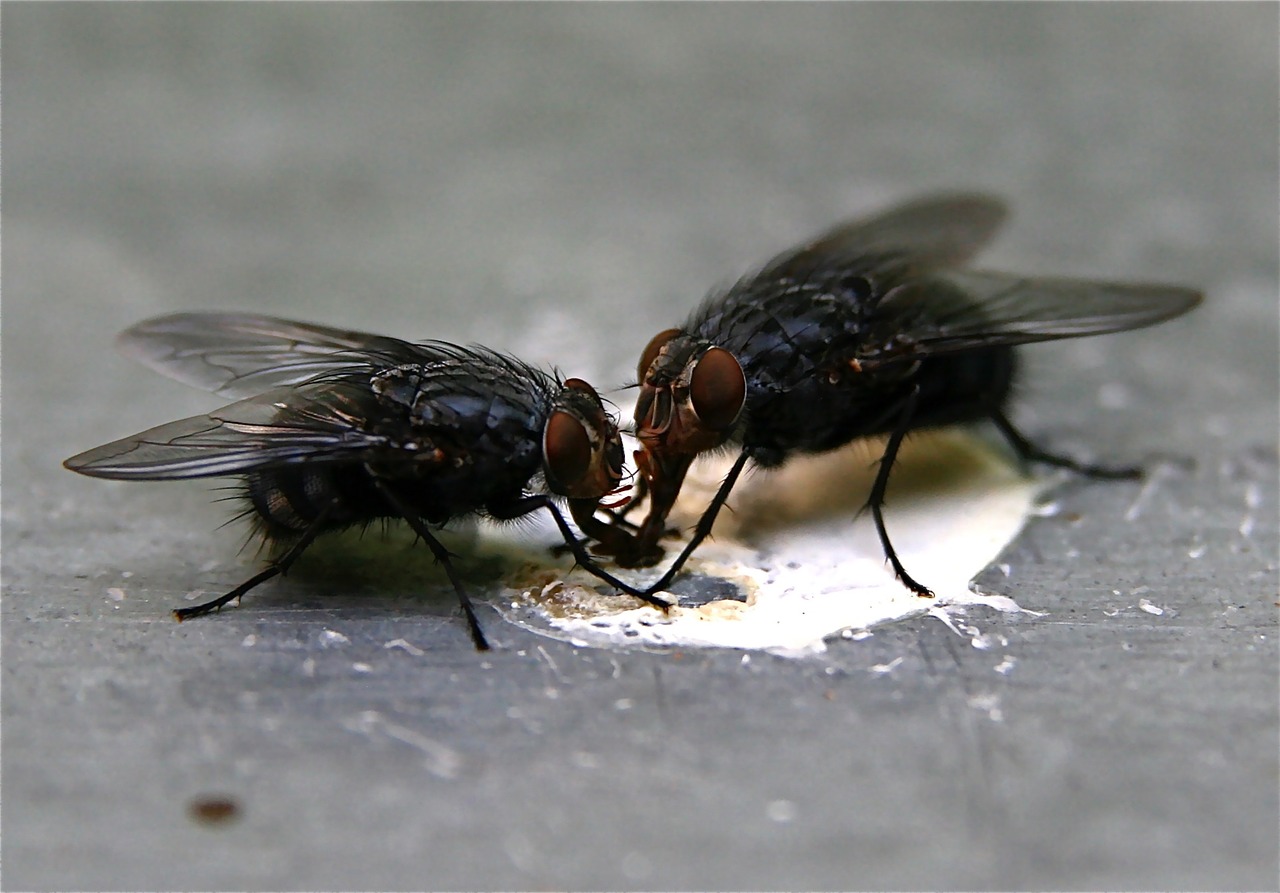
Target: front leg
(705, 523)
(528, 504)
(618, 537)
(664, 477)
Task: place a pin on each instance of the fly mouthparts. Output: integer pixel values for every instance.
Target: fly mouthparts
(622, 487)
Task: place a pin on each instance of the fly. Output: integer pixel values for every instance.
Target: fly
(333, 429)
(874, 328)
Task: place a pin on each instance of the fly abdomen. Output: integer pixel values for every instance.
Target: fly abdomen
(289, 500)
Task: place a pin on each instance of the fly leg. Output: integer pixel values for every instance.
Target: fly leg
(441, 555)
(613, 537)
(705, 523)
(875, 501)
(1029, 452)
(574, 545)
(618, 530)
(280, 565)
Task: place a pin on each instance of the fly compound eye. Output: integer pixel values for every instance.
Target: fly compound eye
(717, 389)
(651, 352)
(577, 384)
(567, 448)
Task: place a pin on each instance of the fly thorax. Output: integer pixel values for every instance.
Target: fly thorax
(430, 405)
(399, 386)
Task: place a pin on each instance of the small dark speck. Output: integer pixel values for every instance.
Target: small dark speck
(213, 809)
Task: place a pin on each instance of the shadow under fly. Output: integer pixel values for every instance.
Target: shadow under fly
(336, 428)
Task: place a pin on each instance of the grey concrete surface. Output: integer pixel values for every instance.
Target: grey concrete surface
(564, 181)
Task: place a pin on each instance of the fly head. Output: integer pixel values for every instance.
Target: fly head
(582, 458)
(581, 448)
(691, 396)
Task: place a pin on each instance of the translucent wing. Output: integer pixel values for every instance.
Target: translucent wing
(243, 354)
(325, 422)
(963, 309)
(929, 233)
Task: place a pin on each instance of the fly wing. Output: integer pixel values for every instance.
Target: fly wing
(243, 354)
(325, 422)
(929, 233)
(964, 310)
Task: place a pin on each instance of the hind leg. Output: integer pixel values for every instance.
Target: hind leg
(705, 523)
(1029, 452)
(280, 566)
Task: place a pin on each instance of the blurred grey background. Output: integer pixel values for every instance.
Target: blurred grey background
(563, 181)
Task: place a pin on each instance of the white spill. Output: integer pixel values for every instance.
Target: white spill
(804, 563)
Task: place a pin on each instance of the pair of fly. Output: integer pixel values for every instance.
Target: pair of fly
(876, 328)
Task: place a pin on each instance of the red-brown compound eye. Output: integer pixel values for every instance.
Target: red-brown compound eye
(717, 389)
(577, 384)
(567, 449)
(651, 352)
